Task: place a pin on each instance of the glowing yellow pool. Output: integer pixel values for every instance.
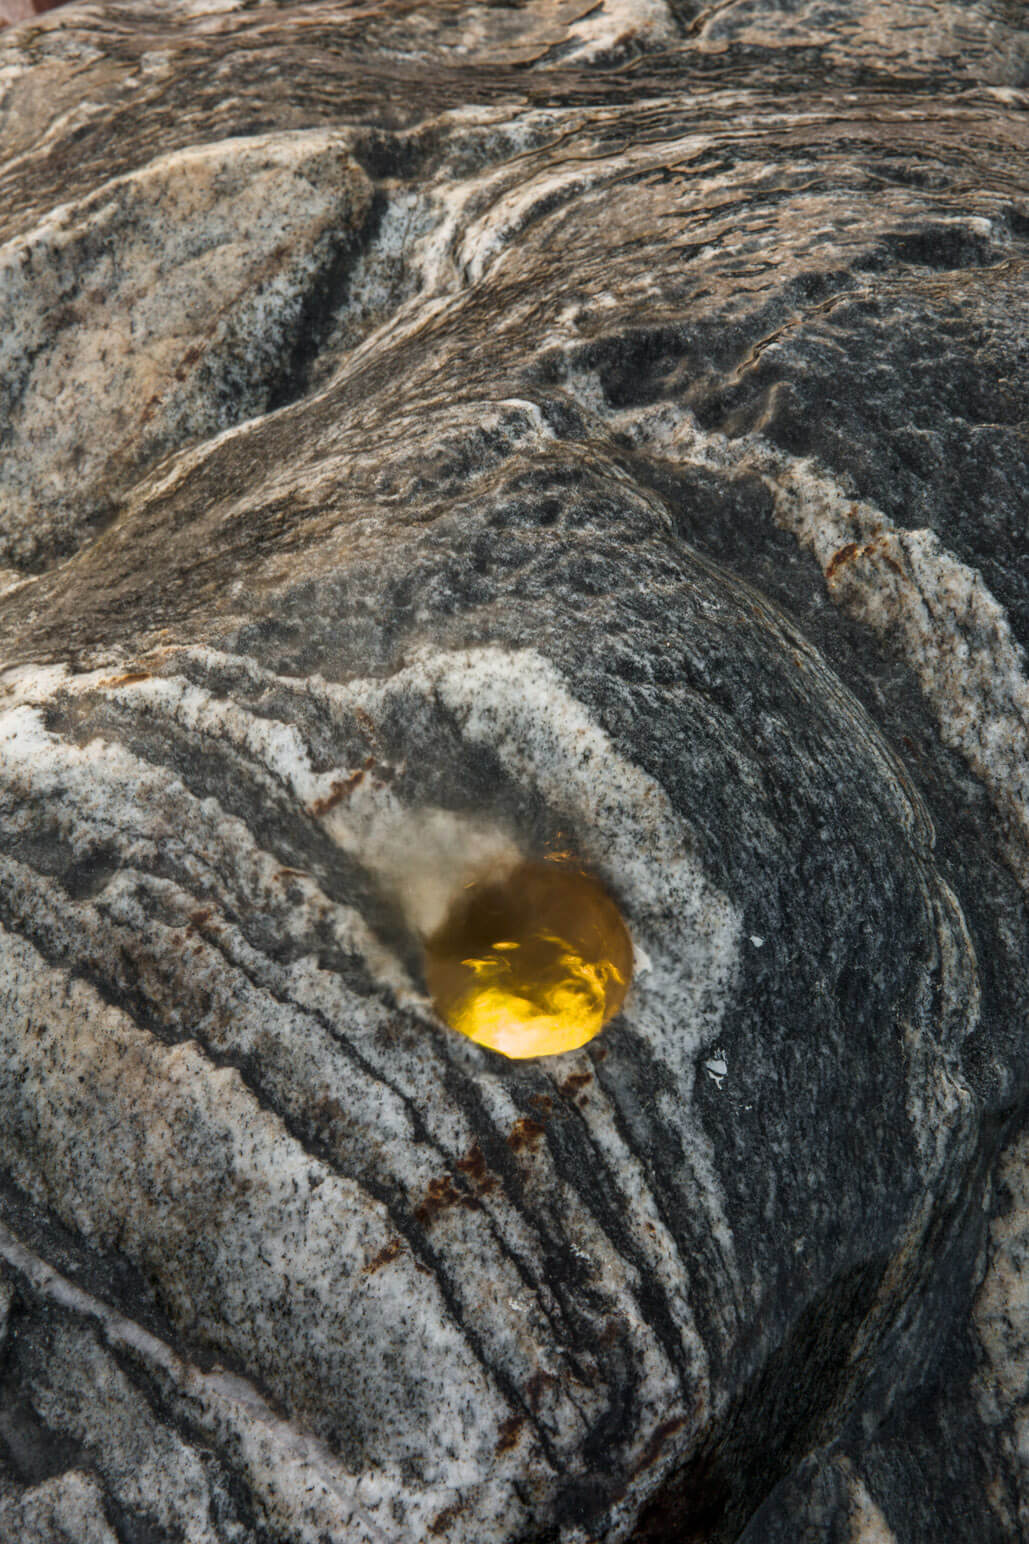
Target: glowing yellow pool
(531, 964)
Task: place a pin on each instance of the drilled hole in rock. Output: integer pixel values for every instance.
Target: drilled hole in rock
(532, 963)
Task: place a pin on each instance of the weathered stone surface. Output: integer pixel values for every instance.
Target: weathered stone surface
(432, 433)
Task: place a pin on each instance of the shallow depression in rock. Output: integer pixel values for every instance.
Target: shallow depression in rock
(532, 963)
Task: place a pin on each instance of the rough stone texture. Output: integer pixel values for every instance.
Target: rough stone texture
(437, 432)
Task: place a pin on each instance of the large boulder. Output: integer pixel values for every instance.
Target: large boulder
(431, 433)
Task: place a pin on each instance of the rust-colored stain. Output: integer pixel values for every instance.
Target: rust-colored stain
(129, 678)
(441, 1522)
(509, 1430)
(474, 1165)
(525, 1133)
(543, 1103)
(340, 790)
(839, 558)
(384, 1256)
(367, 724)
(441, 1194)
(658, 1439)
(871, 549)
(574, 1082)
(198, 918)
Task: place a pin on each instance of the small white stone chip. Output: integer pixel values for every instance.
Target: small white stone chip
(716, 1069)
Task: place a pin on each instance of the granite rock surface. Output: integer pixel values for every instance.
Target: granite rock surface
(437, 433)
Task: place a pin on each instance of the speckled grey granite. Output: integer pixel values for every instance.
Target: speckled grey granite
(432, 431)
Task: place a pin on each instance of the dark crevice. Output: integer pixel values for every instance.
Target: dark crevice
(777, 1417)
(130, 1526)
(324, 300)
(30, 1451)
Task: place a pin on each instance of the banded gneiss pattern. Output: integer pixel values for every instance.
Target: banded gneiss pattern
(434, 432)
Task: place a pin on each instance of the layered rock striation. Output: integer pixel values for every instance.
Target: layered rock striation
(430, 433)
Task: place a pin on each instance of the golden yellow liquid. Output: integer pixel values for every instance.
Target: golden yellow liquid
(533, 964)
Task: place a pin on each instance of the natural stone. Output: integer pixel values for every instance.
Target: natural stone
(434, 437)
